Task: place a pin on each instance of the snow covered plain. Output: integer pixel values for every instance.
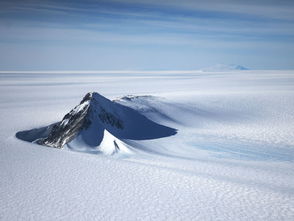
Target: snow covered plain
(232, 158)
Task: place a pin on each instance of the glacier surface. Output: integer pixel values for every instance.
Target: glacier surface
(231, 159)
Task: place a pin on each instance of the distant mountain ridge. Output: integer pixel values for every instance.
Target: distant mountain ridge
(224, 67)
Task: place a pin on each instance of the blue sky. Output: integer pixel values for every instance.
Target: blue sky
(145, 35)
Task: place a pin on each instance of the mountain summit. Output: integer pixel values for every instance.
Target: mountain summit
(97, 124)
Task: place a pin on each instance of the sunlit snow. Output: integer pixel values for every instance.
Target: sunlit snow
(231, 159)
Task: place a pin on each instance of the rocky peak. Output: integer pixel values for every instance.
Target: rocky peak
(95, 123)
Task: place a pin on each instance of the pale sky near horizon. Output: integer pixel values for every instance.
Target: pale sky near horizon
(145, 34)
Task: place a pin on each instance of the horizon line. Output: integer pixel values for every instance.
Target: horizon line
(127, 71)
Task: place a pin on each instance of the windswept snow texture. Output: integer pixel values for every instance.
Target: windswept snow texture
(231, 159)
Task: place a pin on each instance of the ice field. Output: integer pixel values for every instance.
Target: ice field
(232, 157)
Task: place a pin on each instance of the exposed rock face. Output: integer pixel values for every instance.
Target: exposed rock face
(79, 119)
(72, 123)
(94, 118)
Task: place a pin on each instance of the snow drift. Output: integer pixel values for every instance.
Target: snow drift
(97, 124)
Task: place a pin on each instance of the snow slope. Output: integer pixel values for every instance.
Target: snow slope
(94, 120)
(232, 158)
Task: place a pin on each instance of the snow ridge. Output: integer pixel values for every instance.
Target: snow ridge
(97, 125)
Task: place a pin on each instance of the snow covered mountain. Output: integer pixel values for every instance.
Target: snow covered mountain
(224, 67)
(97, 125)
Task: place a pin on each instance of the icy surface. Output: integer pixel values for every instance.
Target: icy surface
(232, 158)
